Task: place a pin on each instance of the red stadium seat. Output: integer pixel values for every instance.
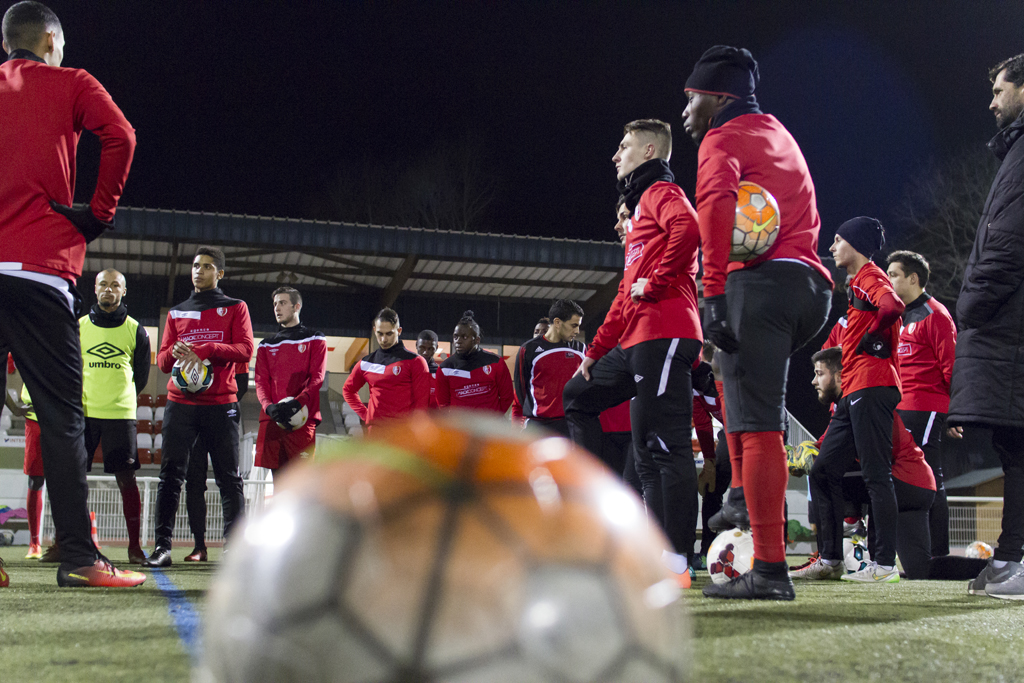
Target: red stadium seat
(158, 427)
(161, 401)
(145, 457)
(144, 427)
(157, 456)
(146, 400)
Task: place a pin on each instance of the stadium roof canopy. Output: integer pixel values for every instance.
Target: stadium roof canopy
(366, 260)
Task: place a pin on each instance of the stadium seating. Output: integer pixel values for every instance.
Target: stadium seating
(158, 442)
(144, 440)
(144, 426)
(161, 401)
(146, 400)
(144, 413)
(158, 416)
(145, 456)
(157, 456)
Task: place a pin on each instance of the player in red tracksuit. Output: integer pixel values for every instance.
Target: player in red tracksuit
(426, 347)
(757, 312)
(926, 351)
(212, 329)
(289, 364)
(43, 110)
(861, 427)
(835, 335)
(543, 367)
(399, 379)
(471, 377)
(913, 482)
(649, 340)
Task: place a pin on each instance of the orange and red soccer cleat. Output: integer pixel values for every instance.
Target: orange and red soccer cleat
(102, 574)
(34, 552)
(5, 580)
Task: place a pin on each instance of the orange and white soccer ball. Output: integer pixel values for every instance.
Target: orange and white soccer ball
(979, 550)
(757, 222)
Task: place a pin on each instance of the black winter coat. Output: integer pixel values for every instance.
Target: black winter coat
(988, 376)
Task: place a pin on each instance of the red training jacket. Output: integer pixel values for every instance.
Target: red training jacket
(543, 369)
(291, 363)
(219, 331)
(477, 380)
(908, 463)
(44, 110)
(755, 148)
(399, 384)
(927, 350)
(616, 419)
(861, 370)
(835, 335)
(662, 240)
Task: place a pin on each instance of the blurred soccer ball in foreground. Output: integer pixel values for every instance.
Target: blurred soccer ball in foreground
(447, 550)
(730, 554)
(979, 550)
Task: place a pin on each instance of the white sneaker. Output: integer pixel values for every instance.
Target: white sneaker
(873, 573)
(819, 570)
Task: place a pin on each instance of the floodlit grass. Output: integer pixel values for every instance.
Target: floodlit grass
(912, 631)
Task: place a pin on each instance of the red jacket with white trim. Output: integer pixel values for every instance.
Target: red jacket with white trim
(759, 149)
(861, 370)
(291, 363)
(662, 240)
(399, 384)
(908, 463)
(478, 379)
(927, 349)
(43, 110)
(219, 330)
(543, 369)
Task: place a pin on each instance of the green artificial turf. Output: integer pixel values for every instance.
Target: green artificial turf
(912, 631)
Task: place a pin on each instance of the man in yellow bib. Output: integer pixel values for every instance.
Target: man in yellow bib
(115, 369)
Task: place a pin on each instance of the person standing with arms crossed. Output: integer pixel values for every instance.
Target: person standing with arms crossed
(757, 312)
(290, 364)
(209, 328)
(44, 109)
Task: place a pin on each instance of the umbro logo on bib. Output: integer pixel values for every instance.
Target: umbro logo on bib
(105, 351)
(638, 378)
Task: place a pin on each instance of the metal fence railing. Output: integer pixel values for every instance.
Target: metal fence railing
(974, 518)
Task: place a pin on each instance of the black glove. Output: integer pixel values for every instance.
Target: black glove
(287, 409)
(874, 345)
(716, 325)
(273, 410)
(84, 220)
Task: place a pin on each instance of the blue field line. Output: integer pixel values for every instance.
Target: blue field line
(185, 618)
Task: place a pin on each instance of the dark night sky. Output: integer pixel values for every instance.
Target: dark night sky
(254, 107)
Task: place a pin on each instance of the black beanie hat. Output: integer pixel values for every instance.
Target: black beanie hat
(864, 234)
(724, 70)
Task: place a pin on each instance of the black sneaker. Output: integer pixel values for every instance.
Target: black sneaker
(752, 586)
(733, 514)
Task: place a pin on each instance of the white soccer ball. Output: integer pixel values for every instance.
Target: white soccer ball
(730, 555)
(197, 380)
(855, 554)
(298, 419)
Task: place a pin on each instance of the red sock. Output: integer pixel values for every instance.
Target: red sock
(765, 460)
(35, 515)
(131, 503)
(733, 441)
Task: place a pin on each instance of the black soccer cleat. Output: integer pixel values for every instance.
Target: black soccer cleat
(752, 586)
(733, 514)
(160, 557)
